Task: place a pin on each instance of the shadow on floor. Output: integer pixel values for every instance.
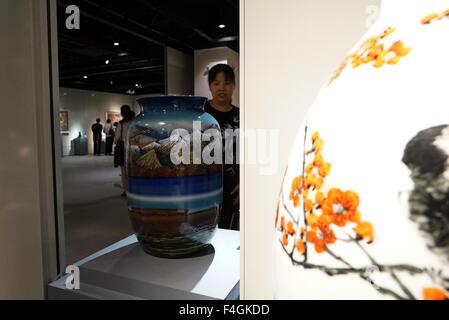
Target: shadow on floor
(95, 214)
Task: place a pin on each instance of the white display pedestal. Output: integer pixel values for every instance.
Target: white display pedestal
(124, 271)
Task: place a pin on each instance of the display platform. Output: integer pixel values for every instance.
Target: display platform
(124, 271)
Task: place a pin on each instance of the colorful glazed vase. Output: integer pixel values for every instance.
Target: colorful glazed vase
(363, 211)
(173, 202)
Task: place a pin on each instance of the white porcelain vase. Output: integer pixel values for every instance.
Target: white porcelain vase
(363, 211)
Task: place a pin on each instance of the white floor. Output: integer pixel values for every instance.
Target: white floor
(95, 214)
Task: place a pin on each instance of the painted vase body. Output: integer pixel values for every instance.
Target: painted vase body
(363, 210)
(173, 207)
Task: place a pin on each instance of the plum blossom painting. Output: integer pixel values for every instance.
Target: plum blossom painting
(363, 209)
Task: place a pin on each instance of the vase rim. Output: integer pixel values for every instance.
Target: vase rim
(171, 102)
(159, 96)
(400, 12)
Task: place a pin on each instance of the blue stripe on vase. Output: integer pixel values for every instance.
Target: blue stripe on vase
(192, 203)
(175, 186)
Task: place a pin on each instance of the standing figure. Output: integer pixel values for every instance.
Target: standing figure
(109, 132)
(119, 140)
(96, 130)
(221, 80)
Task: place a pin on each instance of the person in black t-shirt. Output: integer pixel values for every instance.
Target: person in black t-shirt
(222, 84)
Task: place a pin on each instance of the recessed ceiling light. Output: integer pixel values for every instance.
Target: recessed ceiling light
(112, 82)
(107, 62)
(85, 77)
(221, 26)
(116, 44)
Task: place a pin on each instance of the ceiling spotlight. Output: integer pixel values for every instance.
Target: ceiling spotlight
(85, 77)
(116, 44)
(107, 62)
(112, 82)
(221, 26)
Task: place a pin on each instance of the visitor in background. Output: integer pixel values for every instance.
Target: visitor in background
(109, 132)
(96, 130)
(119, 140)
(115, 126)
(222, 84)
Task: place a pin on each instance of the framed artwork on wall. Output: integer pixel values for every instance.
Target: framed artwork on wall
(64, 121)
(114, 116)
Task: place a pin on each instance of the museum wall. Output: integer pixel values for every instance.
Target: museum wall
(207, 58)
(25, 159)
(291, 48)
(83, 108)
(179, 72)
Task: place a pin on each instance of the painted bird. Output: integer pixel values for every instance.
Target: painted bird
(427, 157)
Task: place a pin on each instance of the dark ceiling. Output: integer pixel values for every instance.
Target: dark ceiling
(143, 28)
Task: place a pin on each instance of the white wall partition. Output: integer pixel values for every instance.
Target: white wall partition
(27, 218)
(288, 48)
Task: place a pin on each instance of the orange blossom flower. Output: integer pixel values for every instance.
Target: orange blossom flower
(365, 231)
(322, 235)
(435, 294)
(285, 238)
(290, 229)
(300, 246)
(296, 191)
(340, 206)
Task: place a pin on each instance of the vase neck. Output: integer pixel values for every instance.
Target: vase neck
(398, 12)
(171, 103)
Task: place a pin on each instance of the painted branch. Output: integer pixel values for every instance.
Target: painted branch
(303, 203)
(286, 209)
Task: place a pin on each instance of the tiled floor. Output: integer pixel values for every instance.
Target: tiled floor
(95, 214)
